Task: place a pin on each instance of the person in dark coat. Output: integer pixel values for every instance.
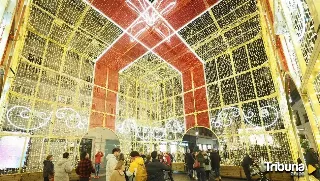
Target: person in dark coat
(215, 163)
(246, 163)
(155, 169)
(201, 173)
(48, 168)
(189, 162)
(313, 159)
(148, 160)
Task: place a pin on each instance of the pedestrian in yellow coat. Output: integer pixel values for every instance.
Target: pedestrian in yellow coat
(137, 167)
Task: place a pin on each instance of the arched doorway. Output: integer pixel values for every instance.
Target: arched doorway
(201, 138)
(99, 143)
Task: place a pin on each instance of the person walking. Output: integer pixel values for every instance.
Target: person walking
(98, 160)
(246, 163)
(112, 160)
(137, 168)
(48, 168)
(312, 159)
(201, 174)
(155, 168)
(215, 163)
(63, 168)
(207, 165)
(189, 163)
(118, 172)
(85, 167)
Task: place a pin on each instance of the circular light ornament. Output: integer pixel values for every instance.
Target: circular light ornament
(269, 114)
(71, 117)
(25, 113)
(159, 133)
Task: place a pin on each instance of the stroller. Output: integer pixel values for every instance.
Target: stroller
(260, 170)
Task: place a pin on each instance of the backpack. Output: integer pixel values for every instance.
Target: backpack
(207, 161)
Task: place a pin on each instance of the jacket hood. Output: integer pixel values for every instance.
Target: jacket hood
(110, 156)
(62, 162)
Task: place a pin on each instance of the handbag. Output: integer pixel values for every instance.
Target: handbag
(196, 164)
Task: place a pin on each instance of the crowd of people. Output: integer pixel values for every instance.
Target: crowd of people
(157, 166)
(200, 164)
(61, 171)
(137, 167)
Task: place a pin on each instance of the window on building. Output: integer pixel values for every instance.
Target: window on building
(199, 146)
(204, 147)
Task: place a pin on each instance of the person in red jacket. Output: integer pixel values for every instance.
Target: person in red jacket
(85, 167)
(98, 159)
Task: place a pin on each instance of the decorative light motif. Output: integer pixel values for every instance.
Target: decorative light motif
(280, 22)
(150, 17)
(147, 133)
(144, 133)
(227, 115)
(127, 126)
(159, 133)
(174, 126)
(298, 14)
(71, 117)
(256, 139)
(25, 114)
(303, 25)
